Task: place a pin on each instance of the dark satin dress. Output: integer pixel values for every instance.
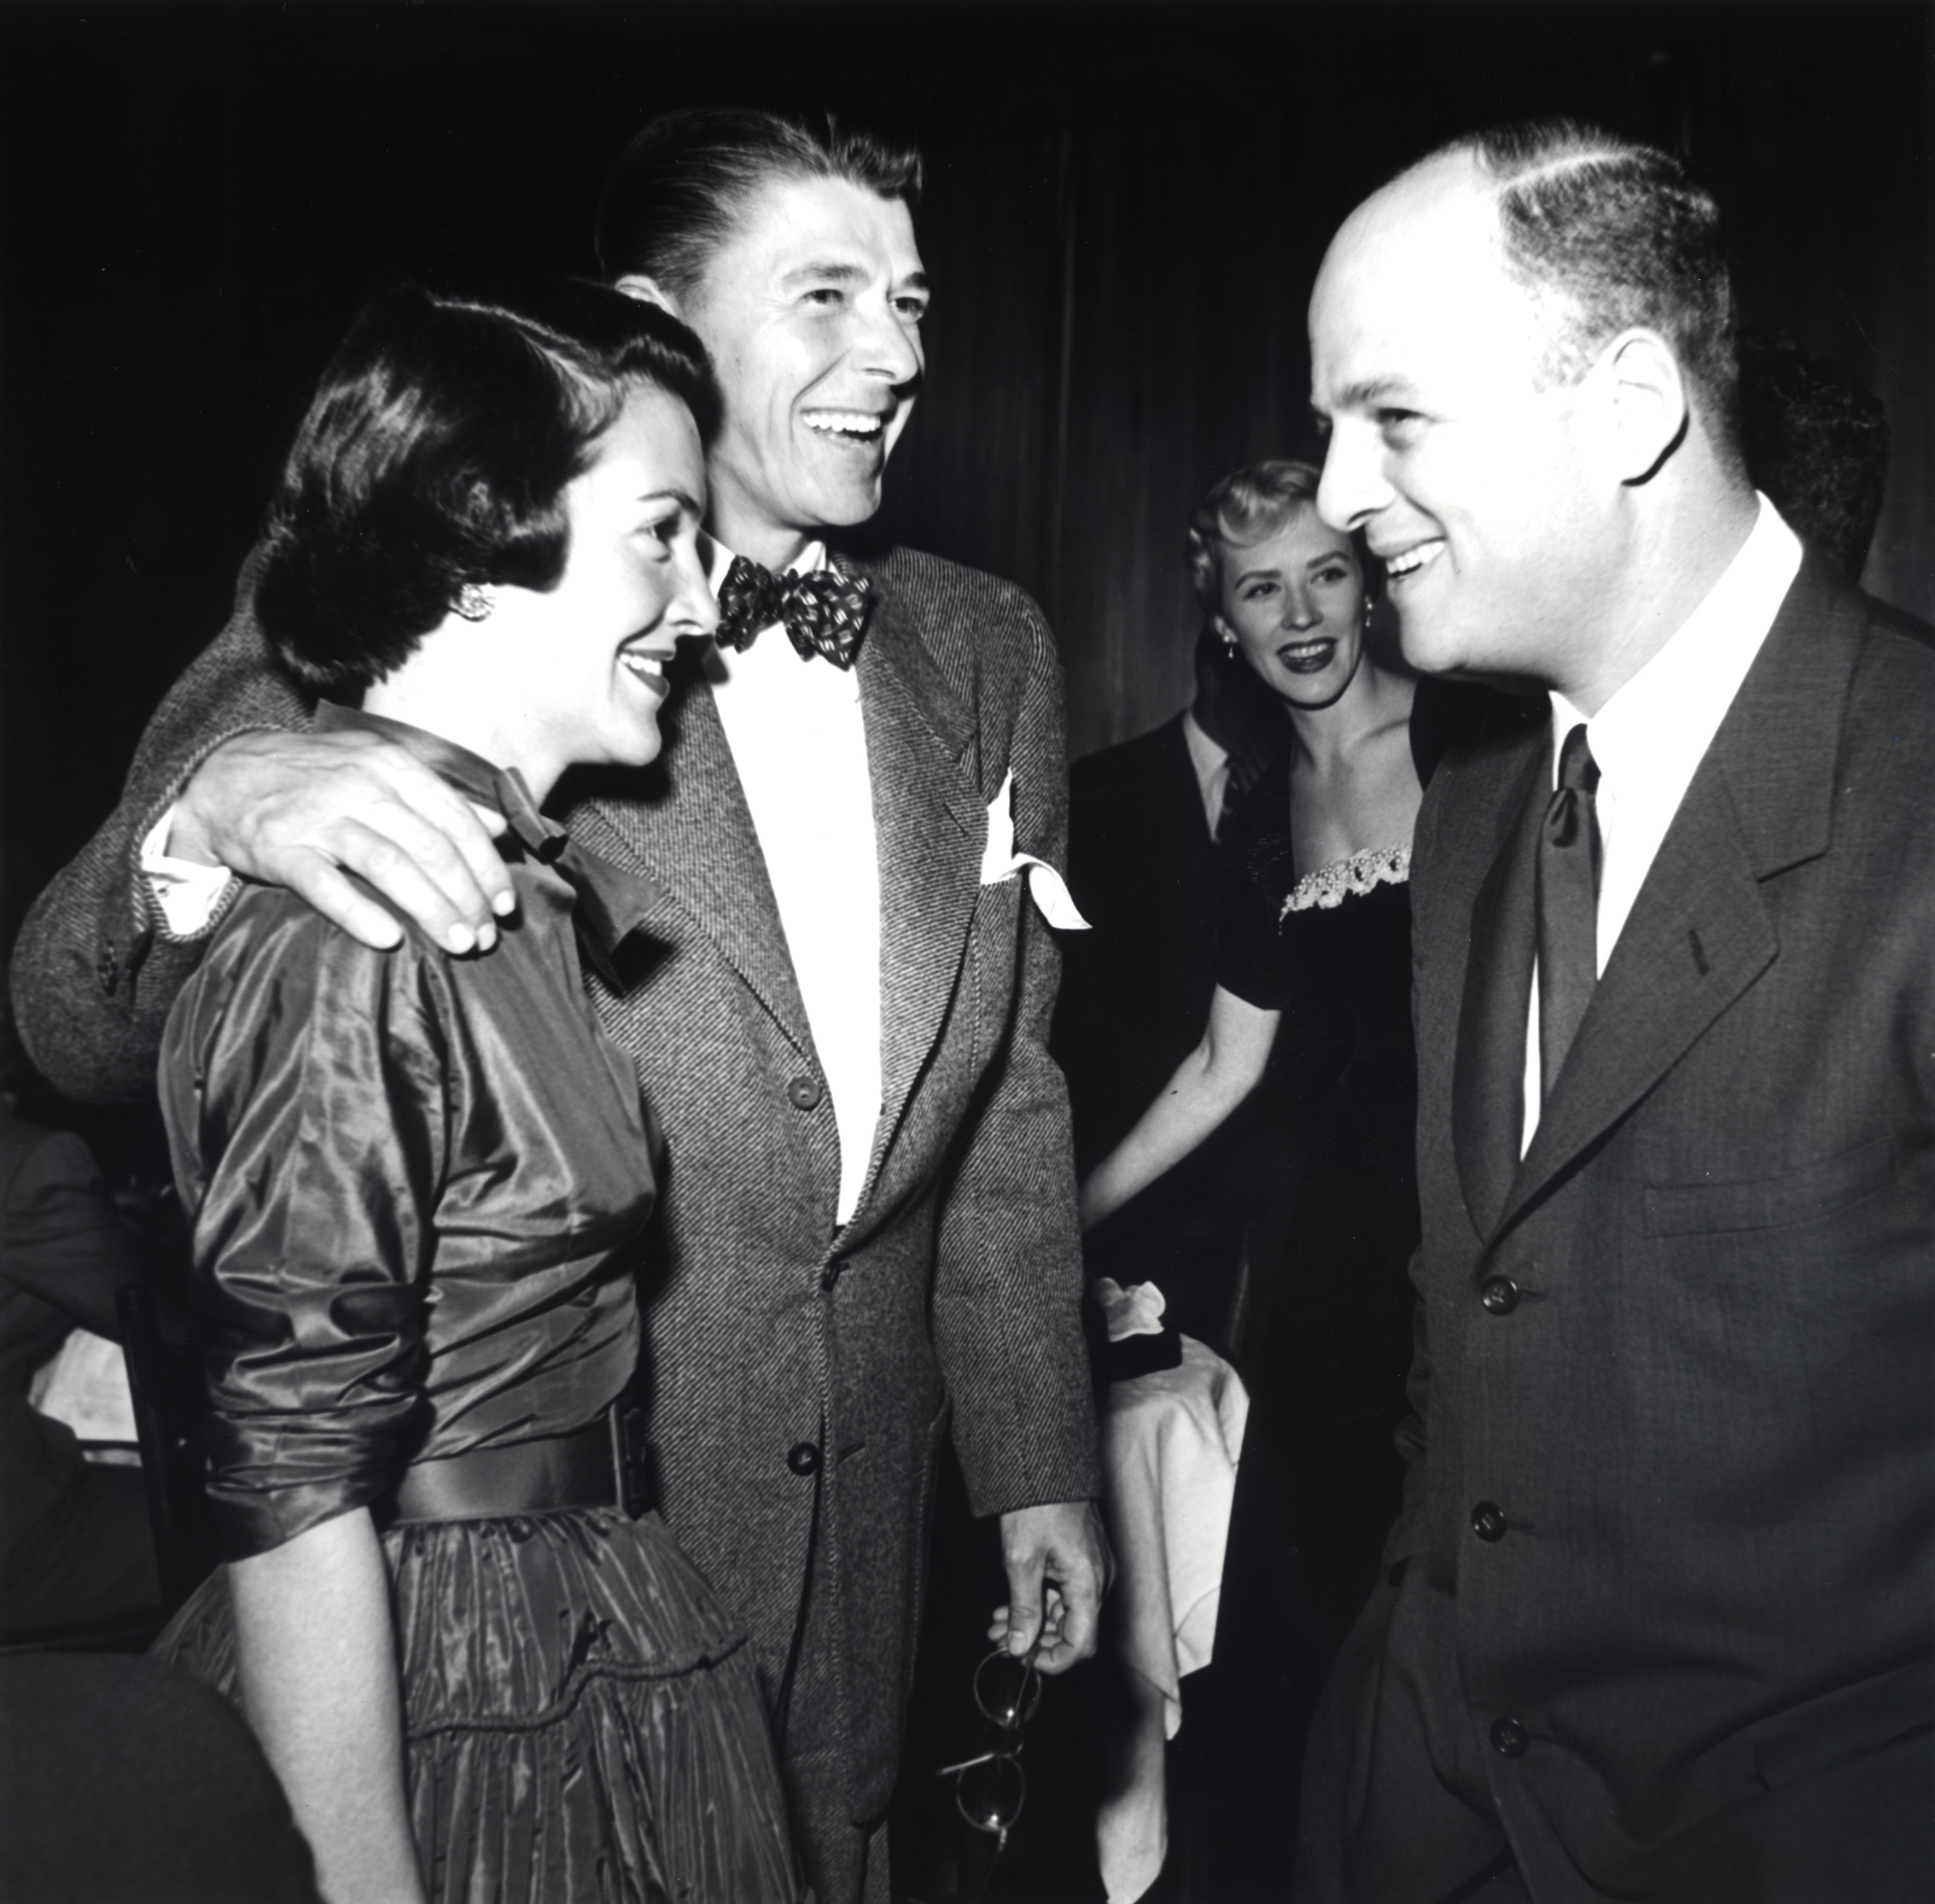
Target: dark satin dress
(419, 1186)
(1320, 1481)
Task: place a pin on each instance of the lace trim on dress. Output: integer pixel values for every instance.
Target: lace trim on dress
(1329, 885)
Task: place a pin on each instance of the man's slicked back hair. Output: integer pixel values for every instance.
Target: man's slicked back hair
(681, 185)
(1614, 235)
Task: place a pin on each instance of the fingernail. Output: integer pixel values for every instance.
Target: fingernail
(504, 904)
(460, 939)
(487, 936)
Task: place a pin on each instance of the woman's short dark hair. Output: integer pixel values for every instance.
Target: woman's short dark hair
(436, 452)
(1248, 505)
(680, 187)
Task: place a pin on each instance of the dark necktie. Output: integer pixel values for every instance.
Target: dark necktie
(822, 613)
(1568, 907)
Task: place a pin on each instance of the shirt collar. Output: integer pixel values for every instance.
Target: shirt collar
(612, 901)
(1206, 753)
(1211, 761)
(1666, 715)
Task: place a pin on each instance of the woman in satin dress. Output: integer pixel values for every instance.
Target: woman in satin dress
(419, 1181)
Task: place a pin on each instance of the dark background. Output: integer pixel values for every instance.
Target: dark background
(1126, 203)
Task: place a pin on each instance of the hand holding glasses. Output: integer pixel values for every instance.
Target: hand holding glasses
(990, 1788)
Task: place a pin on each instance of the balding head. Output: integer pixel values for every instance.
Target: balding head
(1608, 236)
(1518, 389)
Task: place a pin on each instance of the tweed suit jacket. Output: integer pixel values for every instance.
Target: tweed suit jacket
(954, 1288)
(1685, 1346)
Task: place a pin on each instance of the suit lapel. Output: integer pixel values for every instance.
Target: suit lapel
(1698, 936)
(1175, 802)
(1488, 1069)
(696, 837)
(1700, 932)
(696, 834)
(930, 822)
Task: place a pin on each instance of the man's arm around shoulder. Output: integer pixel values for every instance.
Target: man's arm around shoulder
(93, 976)
(228, 762)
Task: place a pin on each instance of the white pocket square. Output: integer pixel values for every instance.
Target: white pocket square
(1000, 861)
(1135, 1311)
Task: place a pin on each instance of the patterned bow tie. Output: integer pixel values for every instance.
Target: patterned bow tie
(822, 613)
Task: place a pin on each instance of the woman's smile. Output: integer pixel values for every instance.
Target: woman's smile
(1311, 655)
(646, 665)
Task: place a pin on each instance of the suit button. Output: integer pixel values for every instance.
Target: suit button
(803, 1457)
(1500, 1294)
(1487, 1521)
(804, 1091)
(107, 970)
(1509, 1739)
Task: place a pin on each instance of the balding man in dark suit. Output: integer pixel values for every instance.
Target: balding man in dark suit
(1659, 1615)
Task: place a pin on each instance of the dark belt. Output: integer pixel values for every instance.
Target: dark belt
(605, 1464)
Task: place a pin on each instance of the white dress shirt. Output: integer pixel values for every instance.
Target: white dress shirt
(1211, 763)
(187, 893)
(800, 745)
(1650, 738)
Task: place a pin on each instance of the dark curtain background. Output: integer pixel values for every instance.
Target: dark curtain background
(1126, 204)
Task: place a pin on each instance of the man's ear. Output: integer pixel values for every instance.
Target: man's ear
(647, 290)
(1640, 403)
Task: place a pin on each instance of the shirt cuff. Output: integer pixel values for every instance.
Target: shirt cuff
(188, 900)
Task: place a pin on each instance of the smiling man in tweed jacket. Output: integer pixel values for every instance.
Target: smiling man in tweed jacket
(843, 991)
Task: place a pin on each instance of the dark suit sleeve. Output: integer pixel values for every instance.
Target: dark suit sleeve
(62, 1256)
(1008, 1279)
(1408, 1533)
(63, 1242)
(93, 978)
(1092, 1035)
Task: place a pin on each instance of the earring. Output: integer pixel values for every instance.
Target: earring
(474, 601)
(1229, 636)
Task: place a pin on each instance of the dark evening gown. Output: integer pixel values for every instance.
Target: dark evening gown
(419, 1186)
(1320, 1481)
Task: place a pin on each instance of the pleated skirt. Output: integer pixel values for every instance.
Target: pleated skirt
(584, 1723)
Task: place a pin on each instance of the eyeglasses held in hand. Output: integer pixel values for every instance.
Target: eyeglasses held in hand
(990, 1788)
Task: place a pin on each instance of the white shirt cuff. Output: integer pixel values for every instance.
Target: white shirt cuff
(188, 896)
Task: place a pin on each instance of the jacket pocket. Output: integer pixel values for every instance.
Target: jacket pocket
(1849, 1723)
(1798, 1196)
